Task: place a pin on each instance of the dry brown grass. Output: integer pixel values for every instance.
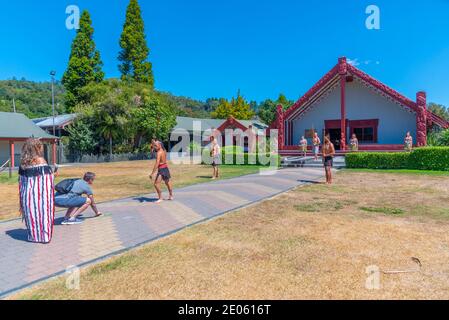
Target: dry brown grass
(311, 243)
(121, 179)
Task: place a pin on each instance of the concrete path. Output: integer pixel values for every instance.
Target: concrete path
(129, 223)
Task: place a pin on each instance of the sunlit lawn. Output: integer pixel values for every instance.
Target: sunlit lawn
(314, 242)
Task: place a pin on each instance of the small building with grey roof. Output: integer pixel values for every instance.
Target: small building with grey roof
(15, 128)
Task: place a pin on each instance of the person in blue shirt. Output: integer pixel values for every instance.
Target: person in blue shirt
(75, 202)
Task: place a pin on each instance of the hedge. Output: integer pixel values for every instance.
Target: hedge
(430, 158)
(427, 158)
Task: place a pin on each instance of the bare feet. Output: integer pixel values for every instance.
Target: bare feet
(171, 198)
(158, 201)
(99, 214)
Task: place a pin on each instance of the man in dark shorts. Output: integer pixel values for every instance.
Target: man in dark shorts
(74, 200)
(161, 172)
(328, 158)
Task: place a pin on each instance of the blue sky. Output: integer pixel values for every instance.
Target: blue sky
(204, 48)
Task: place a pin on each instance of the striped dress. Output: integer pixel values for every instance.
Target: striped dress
(36, 192)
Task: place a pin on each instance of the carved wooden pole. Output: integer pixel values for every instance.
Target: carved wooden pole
(343, 70)
(280, 126)
(421, 119)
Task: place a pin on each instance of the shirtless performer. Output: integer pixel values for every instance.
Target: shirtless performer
(161, 172)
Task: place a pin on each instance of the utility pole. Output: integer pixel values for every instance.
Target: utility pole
(14, 105)
(53, 73)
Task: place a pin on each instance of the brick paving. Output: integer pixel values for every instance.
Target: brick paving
(131, 222)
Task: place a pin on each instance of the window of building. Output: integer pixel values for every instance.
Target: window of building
(365, 135)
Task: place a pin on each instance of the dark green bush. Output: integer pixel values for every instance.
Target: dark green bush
(428, 158)
(377, 160)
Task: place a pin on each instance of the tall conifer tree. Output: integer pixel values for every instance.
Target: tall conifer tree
(84, 63)
(134, 54)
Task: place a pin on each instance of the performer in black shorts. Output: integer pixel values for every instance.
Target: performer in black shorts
(161, 172)
(328, 156)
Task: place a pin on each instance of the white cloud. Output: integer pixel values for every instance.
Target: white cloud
(354, 62)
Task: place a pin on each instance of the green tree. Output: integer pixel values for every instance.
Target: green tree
(267, 109)
(106, 111)
(238, 108)
(439, 110)
(84, 63)
(152, 119)
(110, 119)
(81, 139)
(134, 53)
(223, 110)
(31, 98)
(443, 139)
(124, 114)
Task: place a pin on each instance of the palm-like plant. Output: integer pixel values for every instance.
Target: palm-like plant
(110, 117)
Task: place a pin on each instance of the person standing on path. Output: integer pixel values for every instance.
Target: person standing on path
(354, 143)
(303, 146)
(36, 192)
(328, 156)
(316, 145)
(408, 141)
(215, 155)
(161, 172)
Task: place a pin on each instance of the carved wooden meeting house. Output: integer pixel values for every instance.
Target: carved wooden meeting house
(346, 101)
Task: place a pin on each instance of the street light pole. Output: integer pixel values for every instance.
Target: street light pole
(53, 73)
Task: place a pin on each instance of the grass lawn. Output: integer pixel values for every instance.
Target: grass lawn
(312, 242)
(118, 180)
(5, 179)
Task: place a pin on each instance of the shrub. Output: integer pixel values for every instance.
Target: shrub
(430, 158)
(426, 158)
(377, 160)
(443, 138)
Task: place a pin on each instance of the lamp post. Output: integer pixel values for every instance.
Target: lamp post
(53, 73)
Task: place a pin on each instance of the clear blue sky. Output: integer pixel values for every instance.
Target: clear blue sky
(204, 48)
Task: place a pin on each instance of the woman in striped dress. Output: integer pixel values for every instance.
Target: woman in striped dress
(36, 191)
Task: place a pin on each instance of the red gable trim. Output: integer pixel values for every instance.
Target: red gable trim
(231, 122)
(382, 87)
(315, 89)
(438, 120)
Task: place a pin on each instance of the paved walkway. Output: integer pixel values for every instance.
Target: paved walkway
(129, 223)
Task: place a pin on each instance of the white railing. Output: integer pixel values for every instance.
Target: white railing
(4, 166)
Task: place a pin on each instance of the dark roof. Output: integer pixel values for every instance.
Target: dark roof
(17, 125)
(60, 121)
